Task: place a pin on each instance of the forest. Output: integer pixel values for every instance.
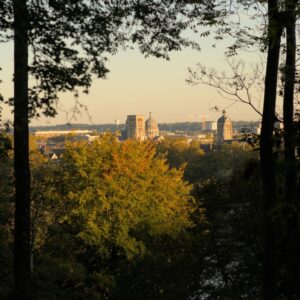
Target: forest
(135, 220)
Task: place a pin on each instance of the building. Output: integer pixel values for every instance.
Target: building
(53, 133)
(211, 126)
(151, 127)
(224, 129)
(135, 127)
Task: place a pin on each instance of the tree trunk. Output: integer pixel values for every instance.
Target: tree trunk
(292, 243)
(268, 167)
(22, 273)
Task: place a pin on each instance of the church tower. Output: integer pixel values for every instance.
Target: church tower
(224, 129)
(135, 127)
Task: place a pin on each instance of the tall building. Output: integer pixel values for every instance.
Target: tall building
(152, 129)
(211, 126)
(224, 129)
(135, 127)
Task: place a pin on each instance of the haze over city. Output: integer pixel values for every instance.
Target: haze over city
(176, 176)
(138, 85)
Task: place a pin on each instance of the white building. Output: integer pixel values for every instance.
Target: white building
(211, 126)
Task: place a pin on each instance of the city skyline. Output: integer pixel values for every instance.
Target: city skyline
(137, 85)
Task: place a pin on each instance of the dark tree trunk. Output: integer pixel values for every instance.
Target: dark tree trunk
(22, 273)
(268, 167)
(288, 105)
(292, 243)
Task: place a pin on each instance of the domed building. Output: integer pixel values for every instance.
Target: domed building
(224, 129)
(151, 127)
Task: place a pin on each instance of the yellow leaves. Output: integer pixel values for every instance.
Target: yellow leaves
(132, 246)
(122, 192)
(132, 157)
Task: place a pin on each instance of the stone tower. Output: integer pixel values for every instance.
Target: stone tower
(224, 129)
(135, 127)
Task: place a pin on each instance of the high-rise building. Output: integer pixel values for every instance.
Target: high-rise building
(135, 127)
(224, 129)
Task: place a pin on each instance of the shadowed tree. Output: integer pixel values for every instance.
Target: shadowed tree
(22, 272)
(266, 151)
(67, 42)
(291, 203)
(280, 15)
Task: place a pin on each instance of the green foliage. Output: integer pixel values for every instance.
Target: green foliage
(180, 151)
(233, 263)
(197, 166)
(5, 144)
(227, 188)
(104, 206)
(113, 220)
(116, 189)
(221, 164)
(6, 224)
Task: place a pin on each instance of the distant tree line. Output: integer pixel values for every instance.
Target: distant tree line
(189, 127)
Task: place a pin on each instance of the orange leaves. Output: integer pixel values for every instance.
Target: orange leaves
(122, 192)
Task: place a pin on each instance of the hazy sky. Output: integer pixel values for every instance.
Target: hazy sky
(136, 85)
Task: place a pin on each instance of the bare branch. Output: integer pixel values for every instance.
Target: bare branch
(238, 85)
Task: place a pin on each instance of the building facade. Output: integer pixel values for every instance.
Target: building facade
(224, 129)
(151, 127)
(211, 126)
(135, 127)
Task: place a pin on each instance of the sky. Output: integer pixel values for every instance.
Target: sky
(138, 85)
